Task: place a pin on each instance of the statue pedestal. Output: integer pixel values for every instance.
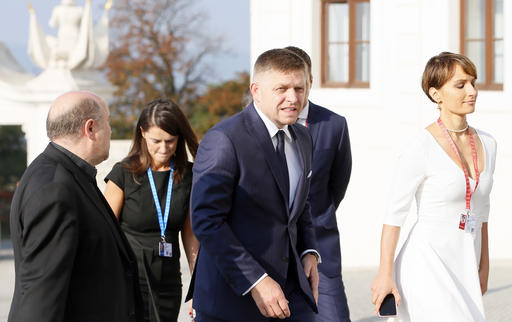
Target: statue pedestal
(52, 80)
(63, 80)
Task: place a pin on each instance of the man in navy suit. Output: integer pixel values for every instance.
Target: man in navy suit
(258, 258)
(332, 165)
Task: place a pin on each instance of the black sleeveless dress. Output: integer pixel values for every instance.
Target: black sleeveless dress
(159, 277)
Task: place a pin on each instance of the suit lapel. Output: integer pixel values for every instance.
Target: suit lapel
(259, 132)
(313, 122)
(94, 195)
(103, 208)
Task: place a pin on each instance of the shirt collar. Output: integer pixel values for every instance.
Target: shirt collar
(271, 127)
(304, 113)
(81, 163)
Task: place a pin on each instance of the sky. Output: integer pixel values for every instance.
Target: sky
(226, 18)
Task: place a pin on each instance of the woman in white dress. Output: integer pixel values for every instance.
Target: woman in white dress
(442, 270)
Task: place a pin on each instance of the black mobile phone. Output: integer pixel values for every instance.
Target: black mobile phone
(388, 306)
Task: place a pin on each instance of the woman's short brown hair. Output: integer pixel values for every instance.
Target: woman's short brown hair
(440, 69)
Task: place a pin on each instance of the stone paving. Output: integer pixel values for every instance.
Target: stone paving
(497, 301)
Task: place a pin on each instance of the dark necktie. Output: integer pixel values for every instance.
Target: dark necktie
(282, 161)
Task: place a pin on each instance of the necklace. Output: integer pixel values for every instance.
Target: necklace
(459, 131)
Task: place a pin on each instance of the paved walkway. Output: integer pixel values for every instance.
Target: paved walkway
(497, 301)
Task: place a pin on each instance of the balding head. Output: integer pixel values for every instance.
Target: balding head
(70, 111)
(79, 122)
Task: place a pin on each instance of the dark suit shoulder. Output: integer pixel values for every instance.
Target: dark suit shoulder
(325, 115)
(45, 174)
(39, 173)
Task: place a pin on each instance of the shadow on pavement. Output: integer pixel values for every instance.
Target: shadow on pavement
(369, 319)
(6, 257)
(497, 289)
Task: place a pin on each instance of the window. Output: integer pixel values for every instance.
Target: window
(482, 40)
(346, 43)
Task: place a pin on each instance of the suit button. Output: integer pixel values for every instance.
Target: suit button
(285, 259)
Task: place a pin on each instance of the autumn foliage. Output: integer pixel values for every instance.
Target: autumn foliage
(220, 101)
(159, 50)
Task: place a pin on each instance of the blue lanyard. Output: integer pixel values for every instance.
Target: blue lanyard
(162, 220)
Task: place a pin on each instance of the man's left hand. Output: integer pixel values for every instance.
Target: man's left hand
(310, 264)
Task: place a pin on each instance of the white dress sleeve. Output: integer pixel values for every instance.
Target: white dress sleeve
(410, 172)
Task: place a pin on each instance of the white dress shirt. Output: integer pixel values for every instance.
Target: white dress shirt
(303, 116)
(290, 150)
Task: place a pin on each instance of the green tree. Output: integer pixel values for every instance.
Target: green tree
(13, 161)
(13, 149)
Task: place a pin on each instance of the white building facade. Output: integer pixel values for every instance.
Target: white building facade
(368, 57)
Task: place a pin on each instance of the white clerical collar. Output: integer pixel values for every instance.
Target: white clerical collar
(271, 127)
(304, 113)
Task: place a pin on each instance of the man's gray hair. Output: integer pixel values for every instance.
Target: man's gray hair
(71, 121)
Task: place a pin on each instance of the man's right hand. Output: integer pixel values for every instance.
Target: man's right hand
(270, 299)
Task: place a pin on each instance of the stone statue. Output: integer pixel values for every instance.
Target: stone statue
(77, 46)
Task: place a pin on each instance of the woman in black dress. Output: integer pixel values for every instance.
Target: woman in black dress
(157, 169)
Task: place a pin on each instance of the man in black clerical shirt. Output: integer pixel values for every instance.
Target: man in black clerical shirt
(72, 261)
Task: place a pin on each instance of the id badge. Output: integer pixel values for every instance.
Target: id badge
(164, 249)
(462, 222)
(471, 224)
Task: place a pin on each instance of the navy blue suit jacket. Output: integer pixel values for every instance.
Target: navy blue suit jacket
(241, 217)
(332, 165)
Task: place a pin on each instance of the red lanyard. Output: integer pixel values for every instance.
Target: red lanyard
(475, 162)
